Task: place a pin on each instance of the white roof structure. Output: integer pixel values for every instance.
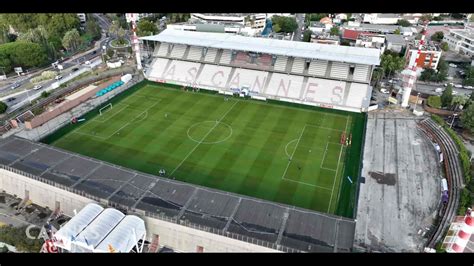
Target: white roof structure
(124, 237)
(358, 55)
(80, 221)
(91, 236)
(95, 229)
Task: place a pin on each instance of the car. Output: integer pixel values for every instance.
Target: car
(453, 65)
(75, 69)
(15, 85)
(439, 90)
(94, 52)
(11, 99)
(469, 87)
(87, 62)
(384, 91)
(37, 87)
(455, 92)
(58, 77)
(458, 86)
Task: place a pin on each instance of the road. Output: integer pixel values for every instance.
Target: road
(300, 20)
(24, 90)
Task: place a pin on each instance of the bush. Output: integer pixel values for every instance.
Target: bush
(434, 101)
(46, 75)
(3, 107)
(45, 94)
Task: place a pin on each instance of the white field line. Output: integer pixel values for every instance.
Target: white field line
(328, 128)
(205, 136)
(304, 183)
(324, 155)
(293, 153)
(335, 175)
(114, 114)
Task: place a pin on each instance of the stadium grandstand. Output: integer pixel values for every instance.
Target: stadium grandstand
(307, 73)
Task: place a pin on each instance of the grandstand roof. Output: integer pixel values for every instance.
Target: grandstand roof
(358, 55)
(232, 215)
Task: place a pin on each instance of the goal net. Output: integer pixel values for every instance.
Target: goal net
(105, 108)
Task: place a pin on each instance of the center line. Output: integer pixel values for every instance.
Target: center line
(205, 136)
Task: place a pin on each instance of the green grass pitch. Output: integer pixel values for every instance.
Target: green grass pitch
(278, 152)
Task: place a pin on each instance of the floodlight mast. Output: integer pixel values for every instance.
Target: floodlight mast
(409, 74)
(135, 43)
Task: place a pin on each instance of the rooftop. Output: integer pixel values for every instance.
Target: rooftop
(348, 54)
(395, 38)
(223, 213)
(466, 33)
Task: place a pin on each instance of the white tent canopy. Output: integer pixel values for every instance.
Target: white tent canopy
(358, 55)
(95, 229)
(76, 225)
(124, 237)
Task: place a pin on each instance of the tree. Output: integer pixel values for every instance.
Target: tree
(316, 16)
(426, 17)
(21, 54)
(334, 31)
(438, 18)
(444, 46)
(437, 36)
(404, 23)
(307, 36)
(391, 63)
(469, 80)
(428, 74)
(285, 24)
(467, 118)
(45, 94)
(397, 31)
(146, 28)
(434, 101)
(3, 107)
(447, 96)
(93, 28)
(71, 40)
(459, 100)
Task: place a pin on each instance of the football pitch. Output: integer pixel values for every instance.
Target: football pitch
(273, 151)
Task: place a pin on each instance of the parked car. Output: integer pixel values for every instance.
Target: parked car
(58, 77)
(384, 91)
(37, 87)
(453, 65)
(469, 87)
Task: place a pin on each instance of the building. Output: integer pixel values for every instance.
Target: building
(461, 40)
(271, 69)
(381, 29)
(253, 20)
(82, 17)
(395, 42)
(381, 18)
(325, 39)
(215, 27)
(318, 27)
(429, 56)
(371, 40)
(129, 16)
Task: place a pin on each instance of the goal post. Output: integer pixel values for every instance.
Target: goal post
(105, 108)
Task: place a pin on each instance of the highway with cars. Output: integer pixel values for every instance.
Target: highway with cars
(17, 90)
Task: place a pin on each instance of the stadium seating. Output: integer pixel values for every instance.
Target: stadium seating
(298, 66)
(210, 55)
(253, 79)
(163, 49)
(361, 73)
(182, 71)
(265, 60)
(283, 85)
(195, 53)
(178, 51)
(339, 70)
(359, 95)
(280, 64)
(214, 77)
(109, 88)
(226, 57)
(318, 68)
(157, 68)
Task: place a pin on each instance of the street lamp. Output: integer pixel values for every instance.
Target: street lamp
(452, 121)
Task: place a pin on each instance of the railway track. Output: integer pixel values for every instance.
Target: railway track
(454, 176)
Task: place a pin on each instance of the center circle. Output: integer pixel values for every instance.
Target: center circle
(213, 131)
